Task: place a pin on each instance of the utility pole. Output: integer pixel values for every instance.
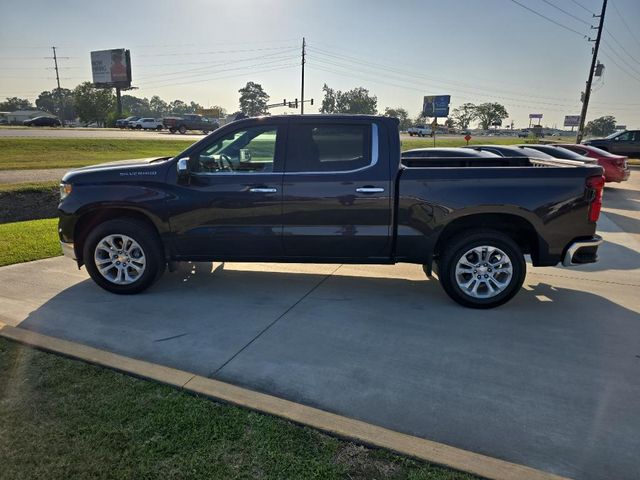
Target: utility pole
(60, 100)
(302, 84)
(587, 93)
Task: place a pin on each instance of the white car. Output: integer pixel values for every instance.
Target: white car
(147, 124)
(419, 130)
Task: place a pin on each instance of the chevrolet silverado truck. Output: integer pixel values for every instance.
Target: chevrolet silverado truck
(330, 189)
(189, 122)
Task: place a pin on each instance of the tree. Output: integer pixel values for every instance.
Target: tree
(55, 100)
(401, 114)
(357, 101)
(464, 115)
(253, 100)
(329, 100)
(449, 123)
(158, 106)
(602, 126)
(135, 106)
(178, 107)
(222, 110)
(15, 103)
(93, 104)
(354, 101)
(487, 113)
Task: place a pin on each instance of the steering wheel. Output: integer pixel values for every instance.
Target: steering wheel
(225, 159)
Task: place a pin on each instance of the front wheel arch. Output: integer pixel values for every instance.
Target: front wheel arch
(94, 217)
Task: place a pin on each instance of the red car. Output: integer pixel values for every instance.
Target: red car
(615, 167)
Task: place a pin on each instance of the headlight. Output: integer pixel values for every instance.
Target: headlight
(65, 189)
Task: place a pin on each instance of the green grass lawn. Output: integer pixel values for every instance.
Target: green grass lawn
(26, 241)
(64, 419)
(28, 186)
(30, 153)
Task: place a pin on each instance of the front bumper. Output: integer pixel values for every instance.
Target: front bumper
(68, 250)
(580, 252)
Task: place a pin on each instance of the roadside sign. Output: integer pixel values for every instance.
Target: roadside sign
(535, 115)
(434, 124)
(467, 137)
(436, 105)
(621, 127)
(572, 120)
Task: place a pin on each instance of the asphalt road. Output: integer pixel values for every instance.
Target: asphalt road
(106, 133)
(551, 380)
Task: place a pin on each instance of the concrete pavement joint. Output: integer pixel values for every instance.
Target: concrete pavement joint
(584, 279)
(362, 432)
(273, 323)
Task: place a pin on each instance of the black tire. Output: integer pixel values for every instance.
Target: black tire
(172, 130)
(461, 244)
(182, 129)
(147, 239)
(159, 127)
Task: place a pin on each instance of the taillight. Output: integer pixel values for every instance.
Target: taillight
(596, 185)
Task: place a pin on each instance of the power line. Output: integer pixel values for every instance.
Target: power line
(210, 65)
(625, 23)
(566, 13)
(583, 7)
(622, 47)
(276, 67)
(549, 19)
(621, 58)
(212, 52)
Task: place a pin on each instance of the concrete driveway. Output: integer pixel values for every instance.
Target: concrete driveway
(550, 380)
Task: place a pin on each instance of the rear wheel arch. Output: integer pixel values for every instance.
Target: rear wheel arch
(92, 218)
(518, 228)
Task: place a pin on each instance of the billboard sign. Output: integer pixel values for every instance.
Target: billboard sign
(572, 120)
(111, 68)
(535, 115)
(436, 106)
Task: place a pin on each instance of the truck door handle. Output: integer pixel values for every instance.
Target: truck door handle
(369, 190)
(263, 190)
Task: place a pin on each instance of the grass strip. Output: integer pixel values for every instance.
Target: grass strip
(65, 419)
(28, 187)
(32, 153)
(30, 240)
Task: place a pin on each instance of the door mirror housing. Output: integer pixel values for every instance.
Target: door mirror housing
(183, 170)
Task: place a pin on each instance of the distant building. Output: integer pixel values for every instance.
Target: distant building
(20, 116)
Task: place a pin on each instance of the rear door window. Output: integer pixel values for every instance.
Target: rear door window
(328, 148)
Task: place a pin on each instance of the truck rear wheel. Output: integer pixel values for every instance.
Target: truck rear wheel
(182, 129)
(172, 130)
(123, 256)
(483, 269)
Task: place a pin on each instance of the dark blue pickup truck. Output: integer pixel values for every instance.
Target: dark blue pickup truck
(330, 189)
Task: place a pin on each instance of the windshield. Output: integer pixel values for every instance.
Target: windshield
(613, 135)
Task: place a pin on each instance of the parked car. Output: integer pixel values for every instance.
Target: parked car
(626, 143)
(523, 133)
(190, 122)
(419, 130)
(328, 188)
(561, 153)
(43, 121)
(512, 151)
(616, 168)
(147, 124)
(124, 122)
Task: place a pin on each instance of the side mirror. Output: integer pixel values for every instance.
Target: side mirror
(183, 170)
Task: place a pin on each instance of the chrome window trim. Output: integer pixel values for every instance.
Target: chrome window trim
(374, 157)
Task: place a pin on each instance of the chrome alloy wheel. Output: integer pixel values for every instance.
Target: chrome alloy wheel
(484, 272)
(120, 259)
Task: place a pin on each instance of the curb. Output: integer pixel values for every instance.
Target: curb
(356, 430)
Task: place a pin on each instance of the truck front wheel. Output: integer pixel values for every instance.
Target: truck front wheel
(182, 129)
(483, 269)
(124, 256)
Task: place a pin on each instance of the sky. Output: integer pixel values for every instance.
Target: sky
(474, 50)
